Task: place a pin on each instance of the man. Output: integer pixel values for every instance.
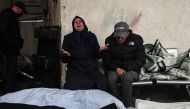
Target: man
(10, 40)
(123, 61)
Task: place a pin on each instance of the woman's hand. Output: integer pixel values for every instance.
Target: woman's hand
(103, 48)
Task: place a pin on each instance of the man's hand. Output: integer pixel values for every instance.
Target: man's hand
(64, 53)
(120, 72)
(104, 47)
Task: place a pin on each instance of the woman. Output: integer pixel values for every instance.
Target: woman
(80, 50)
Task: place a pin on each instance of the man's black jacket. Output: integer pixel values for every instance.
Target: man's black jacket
(129, 56)
(10, 40)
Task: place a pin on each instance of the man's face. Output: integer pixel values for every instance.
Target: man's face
(78, 24)
(17, 10)
(121, 39)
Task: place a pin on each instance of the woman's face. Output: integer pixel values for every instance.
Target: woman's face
(78, 24)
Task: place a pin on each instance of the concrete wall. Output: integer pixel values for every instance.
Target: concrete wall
(166, 20)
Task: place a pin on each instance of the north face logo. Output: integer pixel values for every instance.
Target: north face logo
(120, 28)
(131, 43)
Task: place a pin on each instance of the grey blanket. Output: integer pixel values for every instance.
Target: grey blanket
(163, 66)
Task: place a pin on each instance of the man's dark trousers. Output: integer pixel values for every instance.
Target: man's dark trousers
(10, 75)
